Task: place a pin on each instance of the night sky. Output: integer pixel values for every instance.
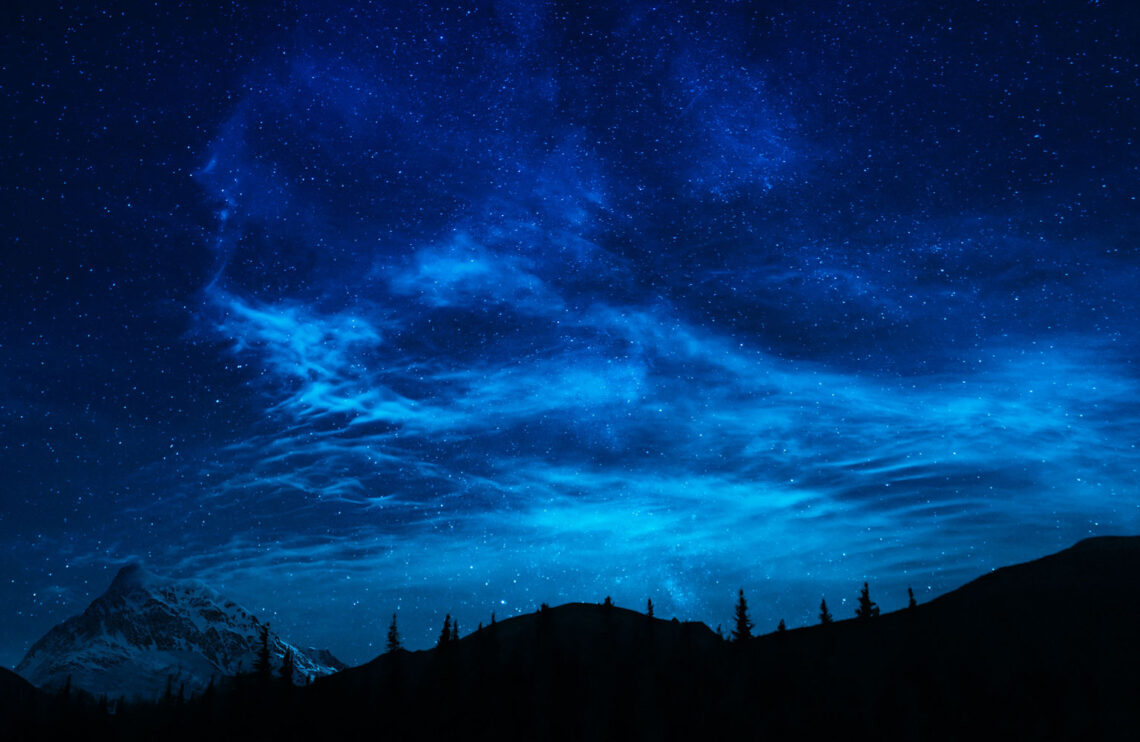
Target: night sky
(471, 307)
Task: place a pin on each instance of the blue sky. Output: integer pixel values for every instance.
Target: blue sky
(347, 311)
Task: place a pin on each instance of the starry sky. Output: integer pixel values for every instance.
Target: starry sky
(348, 309)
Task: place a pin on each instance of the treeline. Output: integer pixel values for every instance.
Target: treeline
(742, 623)
(741, 631)
(973, 664)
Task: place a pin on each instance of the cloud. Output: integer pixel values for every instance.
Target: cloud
(463, 272)
(656, 330)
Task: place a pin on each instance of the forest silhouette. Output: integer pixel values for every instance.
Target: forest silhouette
(1047, 649)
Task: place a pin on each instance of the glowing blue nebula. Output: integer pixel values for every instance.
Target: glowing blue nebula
(483, 308)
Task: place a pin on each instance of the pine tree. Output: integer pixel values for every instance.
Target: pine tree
(867, 607)
(445, 635)
(782, 627)
(287, 666)
(455, 630)
(743, 630)
(649, 608)
(492, 618)
(393, 636)
(208, 698)
(261, 665)
(608, 602)
(824, 614)
(912, 602)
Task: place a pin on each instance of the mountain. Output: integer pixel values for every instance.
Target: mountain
(1043, 650)
(1046, 649)
(147, 631)
(568, 672)
(15, 693)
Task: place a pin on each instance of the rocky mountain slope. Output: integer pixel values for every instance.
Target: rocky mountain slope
(148, 633)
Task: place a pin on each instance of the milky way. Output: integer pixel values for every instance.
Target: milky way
(348, 311)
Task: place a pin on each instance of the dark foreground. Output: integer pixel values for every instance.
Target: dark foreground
(1045, 650)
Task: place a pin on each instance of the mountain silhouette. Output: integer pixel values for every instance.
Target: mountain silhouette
(1042, 650)
(1045, 649)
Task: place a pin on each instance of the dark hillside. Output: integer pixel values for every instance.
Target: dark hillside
(1043, 650)
(580, 671)
(1047, 649)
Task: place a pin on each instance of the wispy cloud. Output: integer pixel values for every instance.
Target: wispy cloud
(464, 272)
(543, 347)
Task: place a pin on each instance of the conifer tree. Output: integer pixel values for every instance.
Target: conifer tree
(743, 629)
(393, 636)
(445, 635)
(287, 667)
(824, 614)
(867, 607)
(912, 602)
(492, 618)
(261, 665)
(455, 630)
(782, 627)
(608, 602)
(208, 698)
(649, 608)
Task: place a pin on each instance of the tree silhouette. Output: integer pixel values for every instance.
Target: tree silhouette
(783, 626)
(208, 698)
(393, 636)
(608, 602)
(445, 635)
(912, 602)
(867, 607)
(824, 614)
(649, 608)
(455, 630)
(743, 629)
(261, 665)
(287, 667)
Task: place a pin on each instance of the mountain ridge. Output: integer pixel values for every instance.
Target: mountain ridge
(147, 632)
(1044, 649)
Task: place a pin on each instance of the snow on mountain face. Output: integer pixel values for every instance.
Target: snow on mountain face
(146, 632)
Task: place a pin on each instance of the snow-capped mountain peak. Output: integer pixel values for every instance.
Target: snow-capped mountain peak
(147, 633)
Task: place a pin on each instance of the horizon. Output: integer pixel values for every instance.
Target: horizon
(471, 628)
(404, 307)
